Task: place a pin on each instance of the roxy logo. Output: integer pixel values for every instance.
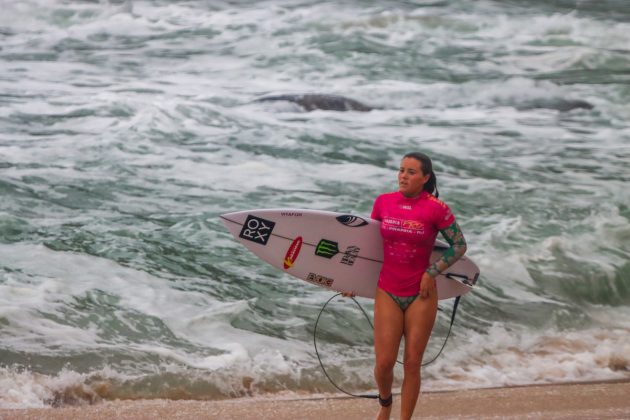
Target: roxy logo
(257, 229)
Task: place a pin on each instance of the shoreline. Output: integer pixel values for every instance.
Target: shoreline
(575, 400)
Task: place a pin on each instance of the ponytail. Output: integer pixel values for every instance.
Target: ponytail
(431, 185)
(427, 168)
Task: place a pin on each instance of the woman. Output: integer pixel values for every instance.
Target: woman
(406, 296)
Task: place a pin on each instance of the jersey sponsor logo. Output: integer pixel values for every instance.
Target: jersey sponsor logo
(351, 221)
(413, 224)
(392, 221)
(257, 229)
(406, 226)
(319, 280)
(350, 255)
(405, 206)
(327, 249)
(292, 253)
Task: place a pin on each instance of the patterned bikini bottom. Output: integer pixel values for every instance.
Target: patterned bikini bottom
(403, 301)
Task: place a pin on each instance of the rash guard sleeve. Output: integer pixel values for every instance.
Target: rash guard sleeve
(376, 209)
(455, 238)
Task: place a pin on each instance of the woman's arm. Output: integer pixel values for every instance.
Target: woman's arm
(457, 242)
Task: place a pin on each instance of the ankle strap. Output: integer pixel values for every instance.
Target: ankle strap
(385, 402)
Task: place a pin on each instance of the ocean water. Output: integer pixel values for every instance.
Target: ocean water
(127, 127)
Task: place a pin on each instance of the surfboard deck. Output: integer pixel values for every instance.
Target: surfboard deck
(338, 251)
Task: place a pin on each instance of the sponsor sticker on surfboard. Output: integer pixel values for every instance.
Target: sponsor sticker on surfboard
(292, 253)
(257, 229)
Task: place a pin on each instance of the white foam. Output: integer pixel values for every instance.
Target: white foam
(504, 357)
(24, 389)
(57, 277)
(190, 136)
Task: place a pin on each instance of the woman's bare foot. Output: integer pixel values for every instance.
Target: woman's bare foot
(383, 413)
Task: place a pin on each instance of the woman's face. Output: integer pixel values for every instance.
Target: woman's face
(411, 180)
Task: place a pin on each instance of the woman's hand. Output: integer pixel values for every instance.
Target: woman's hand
(348, 294)
(427, 286)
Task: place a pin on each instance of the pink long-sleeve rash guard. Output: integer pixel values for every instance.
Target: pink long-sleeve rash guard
(409, 228)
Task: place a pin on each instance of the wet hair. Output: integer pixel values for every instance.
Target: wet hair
(427, 168)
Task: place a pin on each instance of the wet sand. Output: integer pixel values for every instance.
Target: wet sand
(605, 400)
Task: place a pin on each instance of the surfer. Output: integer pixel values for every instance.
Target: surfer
(406, 296)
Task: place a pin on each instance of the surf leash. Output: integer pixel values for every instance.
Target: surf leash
(374, 396)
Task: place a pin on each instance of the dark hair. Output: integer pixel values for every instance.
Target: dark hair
(427, 168)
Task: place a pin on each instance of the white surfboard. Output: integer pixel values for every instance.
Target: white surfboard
(337, 251)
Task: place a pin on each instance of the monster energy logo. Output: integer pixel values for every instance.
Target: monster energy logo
(327, 249)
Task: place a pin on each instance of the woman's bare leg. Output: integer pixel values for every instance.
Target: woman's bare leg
(388, 330)
(418, 323)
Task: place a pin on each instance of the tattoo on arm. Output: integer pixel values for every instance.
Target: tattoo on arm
(457, 242)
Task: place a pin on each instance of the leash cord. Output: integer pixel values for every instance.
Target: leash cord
(372, 396)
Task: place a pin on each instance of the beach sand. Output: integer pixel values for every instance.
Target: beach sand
(605, 400)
